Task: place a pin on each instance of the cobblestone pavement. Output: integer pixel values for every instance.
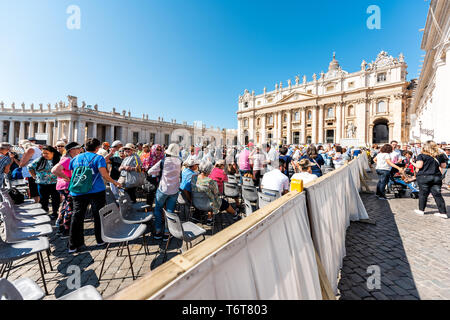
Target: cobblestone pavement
(412, 251)
(116, 274)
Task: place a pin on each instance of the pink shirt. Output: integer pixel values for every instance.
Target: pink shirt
(244, 163)
(62, 184)
(219, 176)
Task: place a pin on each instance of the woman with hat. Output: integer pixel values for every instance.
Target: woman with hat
(62, 172)
(40, 170)
(131, 163)
(32, 152)
(259, 161)
(169, 170)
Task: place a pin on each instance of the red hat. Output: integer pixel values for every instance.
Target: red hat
(250, 144)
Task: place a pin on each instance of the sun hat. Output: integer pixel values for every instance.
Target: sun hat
(116, 143)
(72, 145)
(305, 163)
(220, 162)
(173, 150)
(129, 146)
(191, 162)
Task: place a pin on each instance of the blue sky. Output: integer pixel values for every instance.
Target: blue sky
(189, 60)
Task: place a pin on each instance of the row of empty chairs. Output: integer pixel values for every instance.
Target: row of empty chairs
(26, 227)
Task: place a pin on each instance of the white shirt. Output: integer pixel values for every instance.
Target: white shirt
(339, 162)
(259, 160)
(275, 180)
(170, 178)
(395, 156)
(305, 176)
(381, 161)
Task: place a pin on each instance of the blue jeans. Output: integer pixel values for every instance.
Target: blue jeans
(383, 176)
(163, 199)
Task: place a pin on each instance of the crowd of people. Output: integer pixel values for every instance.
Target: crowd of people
(71, 176)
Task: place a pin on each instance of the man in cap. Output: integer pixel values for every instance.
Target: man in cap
(167, 193)
(304, 172)
(116, 145)
(104, 150)
(186, 176)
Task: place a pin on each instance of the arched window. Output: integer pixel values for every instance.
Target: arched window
(297, 116)
(351, 111)
(330, 113)
(381, 107)
(309, 115)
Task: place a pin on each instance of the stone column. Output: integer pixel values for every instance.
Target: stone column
(263, 129)
(391, 131)
(70, 133)
(111, 134)
(321, 140)
(94, 130)
(279, 127)
(339, 120)
(22, 130)
(314, 125)
(303, 125)
(1, 130)
(251, 128)
(11, 133)
(59, 130)
(48, 131)
(31, 129)
(288, 132)
(81, 132)
(370, 134)
(40, 127)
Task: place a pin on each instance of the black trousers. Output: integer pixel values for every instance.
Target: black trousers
(45, 192)
(132, 193)
(80, 204)
(431, 184)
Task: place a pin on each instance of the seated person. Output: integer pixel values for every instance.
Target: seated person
(218, 174)
(276, 180)
(203, 183)
(191, 169)
(305, 174)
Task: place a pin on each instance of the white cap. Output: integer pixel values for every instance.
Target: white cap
(116, 143)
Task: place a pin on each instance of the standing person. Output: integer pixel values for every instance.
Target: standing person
(60, 147)
(96, 196)
(5, 161)
(244, 161)
(115, 162)
(41, 170)
(62, 172)
(140, 149)
(383, 169)
(429, 177)
(259, 161)
(169, 184)
(32, 152)
(287, 160)
(338, 160)
(131, 163)
(314, 157)
(446, 180)
(272, 157)
(117, 145)
(145, 155)
(156, 155)
(104, 150)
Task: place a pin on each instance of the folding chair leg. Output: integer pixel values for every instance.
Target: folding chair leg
(144, 244)
(8, 266)
(3, 268)
(48, 258)
(167, 246)
(103, 263)
(42, 273)
(42, 260)
(131, 263)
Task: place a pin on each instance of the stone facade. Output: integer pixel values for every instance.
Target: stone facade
(76, 123)
(369, 105)
(430, 108)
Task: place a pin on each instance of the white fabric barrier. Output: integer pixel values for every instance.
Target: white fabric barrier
(274, 259)
(334, 202)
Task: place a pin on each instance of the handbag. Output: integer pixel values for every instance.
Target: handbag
(133, 179)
